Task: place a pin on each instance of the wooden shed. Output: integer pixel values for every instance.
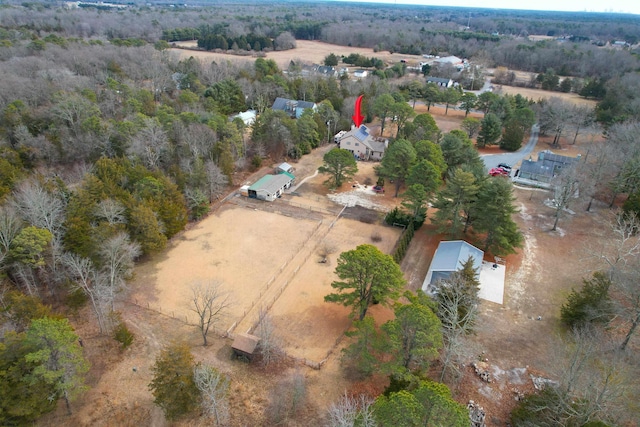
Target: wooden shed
(244, 345)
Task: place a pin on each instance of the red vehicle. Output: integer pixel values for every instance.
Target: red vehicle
(498, 172)
(378, 189)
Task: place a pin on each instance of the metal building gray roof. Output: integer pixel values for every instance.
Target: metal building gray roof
(451, 254)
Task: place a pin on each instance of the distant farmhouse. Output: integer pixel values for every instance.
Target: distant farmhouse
(446, 83)
(454, 61)
(327, 71)
(362, 144)
(548, 166)
(293, 108)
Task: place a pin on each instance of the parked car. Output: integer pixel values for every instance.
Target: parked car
(505, 167)
(498, 172)
(378, 189)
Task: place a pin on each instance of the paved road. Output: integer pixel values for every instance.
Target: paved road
(492, 160)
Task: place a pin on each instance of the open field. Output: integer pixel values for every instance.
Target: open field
(306, 51)
(538, 94)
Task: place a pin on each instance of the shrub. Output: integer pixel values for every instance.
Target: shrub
(589, 305)
(123, 335)
(256, 162)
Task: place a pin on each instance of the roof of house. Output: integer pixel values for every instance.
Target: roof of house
(547, 163)
(438, 80)
(449, 257)
(271, 183)
(285, 104)
(449, 60)
(325, 69)
(363, 135)
(245, 342)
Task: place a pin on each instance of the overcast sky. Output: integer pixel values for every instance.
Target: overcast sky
(625, 6)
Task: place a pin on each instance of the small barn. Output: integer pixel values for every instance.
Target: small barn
(270, 187)
(284, 167)
(244, 346)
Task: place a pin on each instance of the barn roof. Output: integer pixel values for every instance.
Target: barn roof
(245, 343)
(271, 183)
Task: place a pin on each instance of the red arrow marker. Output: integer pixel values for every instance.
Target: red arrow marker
(357, 116)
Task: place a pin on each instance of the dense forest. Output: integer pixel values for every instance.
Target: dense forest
(110, 145)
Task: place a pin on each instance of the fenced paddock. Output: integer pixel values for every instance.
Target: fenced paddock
(263, 260)
(241, 248)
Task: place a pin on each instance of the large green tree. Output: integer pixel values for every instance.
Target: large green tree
(340, 165)
(383, 106)
(397, 161)
(490, 130)
(23, 397)
(367, 276)
(455, 201)
(413, 337)
(493, 216)
(57, 357)
(423, 127)
(428, 404)
(173, 385)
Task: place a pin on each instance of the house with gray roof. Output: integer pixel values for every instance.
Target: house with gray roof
(546, 168)
(362, 144)
(293, 108)
(270, 187)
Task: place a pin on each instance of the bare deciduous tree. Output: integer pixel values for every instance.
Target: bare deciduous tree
(93, 284)
(209, 302)
(150, 144)
(287, 398)
(213, 387)
(565, 187)
(117, 256)
(269, 345)
(351, 411)
(111, 211)
(591, 379)
(10, 225)
(39, 207)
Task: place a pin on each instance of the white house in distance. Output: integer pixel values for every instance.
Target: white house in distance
(362, 144)
(442, 82)
(248, 117)
(449, 257)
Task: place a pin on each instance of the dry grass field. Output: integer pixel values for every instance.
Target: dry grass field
(306, 51)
